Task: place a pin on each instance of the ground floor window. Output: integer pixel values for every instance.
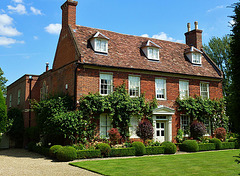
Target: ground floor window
(185, 124)
(133, 127)
(105, 125)
(207, 124)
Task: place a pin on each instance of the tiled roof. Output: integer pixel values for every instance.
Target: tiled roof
(125, 51)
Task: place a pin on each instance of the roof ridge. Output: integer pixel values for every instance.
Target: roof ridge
(134, 35)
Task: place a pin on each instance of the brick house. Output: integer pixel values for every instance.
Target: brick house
(96, 60)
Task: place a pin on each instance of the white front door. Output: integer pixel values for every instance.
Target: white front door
(160, 131)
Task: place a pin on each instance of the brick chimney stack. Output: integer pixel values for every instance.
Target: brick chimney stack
(194, 37)
(69, 13)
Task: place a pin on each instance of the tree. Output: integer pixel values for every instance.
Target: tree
(3, 114)
(3, 81)
(219, 51)
(145, 130)
(235, 65)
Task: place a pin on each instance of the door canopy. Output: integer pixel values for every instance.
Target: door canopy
(163, 110)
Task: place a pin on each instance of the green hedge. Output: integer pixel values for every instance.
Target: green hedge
(82, 154)
(217, 142)
(122, 151)
(169, 147)
(228, 145)
(139, 148)
(189, 146)
(66, 153)
(154, 150)
(206, 146)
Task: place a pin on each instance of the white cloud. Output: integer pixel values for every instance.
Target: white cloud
(215, 8)
(18, 1)
(53, 28)
(35, 37)
(20, 9)
(162, 36)
(6, 28)
(4, 41)
(35, 11)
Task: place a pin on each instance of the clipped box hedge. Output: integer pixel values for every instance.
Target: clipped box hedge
(154, 150)
(228, 145)
(122, 151)
(206, 146)
(83, 154)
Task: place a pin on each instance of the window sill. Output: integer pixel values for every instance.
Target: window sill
(161, 98)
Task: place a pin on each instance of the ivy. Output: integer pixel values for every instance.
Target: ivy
(204, 109)
(120, 107)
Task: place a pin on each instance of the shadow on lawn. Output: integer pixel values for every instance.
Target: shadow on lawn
(20, 153)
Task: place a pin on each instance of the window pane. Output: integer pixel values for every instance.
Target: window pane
(105, 84)
(134, 86)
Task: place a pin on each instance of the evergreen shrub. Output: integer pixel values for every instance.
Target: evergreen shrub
(53, 150)
(169, 147)
(122, 151)
(189, 146)
(139, 148)
(104, 148)
(82, 154)
(217, 143)
(66, 153)
(154, 150)
(206, 146)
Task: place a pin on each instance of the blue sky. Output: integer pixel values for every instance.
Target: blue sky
(29, 29)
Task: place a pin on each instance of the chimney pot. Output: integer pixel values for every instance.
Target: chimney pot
(196, 24)
(189, 27)
(47, 66)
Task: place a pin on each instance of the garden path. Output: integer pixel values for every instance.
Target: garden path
(21, 162)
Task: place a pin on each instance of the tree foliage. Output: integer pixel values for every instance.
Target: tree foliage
(3, 81)
(197, 129)
(235, 65)
(220, 52)
(204, 110)
(3, 114)
(16, 130)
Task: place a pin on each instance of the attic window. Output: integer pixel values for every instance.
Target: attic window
(194, 55)
(151, 50)
(99, 43)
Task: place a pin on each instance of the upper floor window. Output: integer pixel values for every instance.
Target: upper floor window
(134, 86)
(153, 53)
(196, 58)
(44, 91)
(10, 100)
(19, 96)
(105, 125)
(99, 43)
(183, 89)
(194, 55)
(151, 50)
(160, 87)
(106, 83)
(204, 90)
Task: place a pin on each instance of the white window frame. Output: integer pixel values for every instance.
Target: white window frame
(104, 128)
(101, 42)
(133, 126)
(19, 97)
(151, 55)
(164, 88)
(209, 128)
(196, 58)
(111, 83)
(201, 92)
(10, 100)
(180, 95)
(139, 85)
(182, 126)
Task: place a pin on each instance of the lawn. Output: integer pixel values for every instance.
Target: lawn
(202, 163)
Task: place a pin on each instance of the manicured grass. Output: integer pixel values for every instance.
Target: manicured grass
(202, 163)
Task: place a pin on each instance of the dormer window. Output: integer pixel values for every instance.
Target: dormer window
(194, 55)
(151, 50)
(153, 53)
(99, 43)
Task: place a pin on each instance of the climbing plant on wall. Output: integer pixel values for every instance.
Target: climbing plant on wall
(119, 105)
(205, 109)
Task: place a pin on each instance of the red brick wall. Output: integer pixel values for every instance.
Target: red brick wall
(88, 81)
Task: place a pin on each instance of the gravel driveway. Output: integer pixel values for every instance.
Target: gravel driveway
(20, 162)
